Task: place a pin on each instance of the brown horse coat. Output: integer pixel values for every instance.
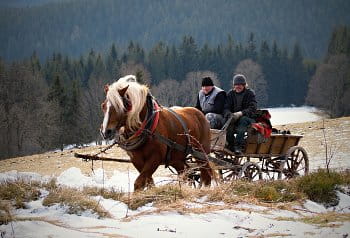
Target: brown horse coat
(147, 157)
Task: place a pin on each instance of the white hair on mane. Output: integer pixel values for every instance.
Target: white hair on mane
(136, 93)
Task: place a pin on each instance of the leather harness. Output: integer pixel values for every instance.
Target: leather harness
(147, 130)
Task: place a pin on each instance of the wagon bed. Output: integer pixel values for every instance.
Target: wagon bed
(276, 157)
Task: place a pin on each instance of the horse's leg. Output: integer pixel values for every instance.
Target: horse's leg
(145, 177)
(205, 174)
(179, 166)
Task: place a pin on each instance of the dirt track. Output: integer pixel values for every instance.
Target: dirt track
(337, 133)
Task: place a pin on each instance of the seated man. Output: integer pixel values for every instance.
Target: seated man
(241, 104)
(211, 101)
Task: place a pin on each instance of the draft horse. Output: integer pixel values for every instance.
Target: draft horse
(146, 130)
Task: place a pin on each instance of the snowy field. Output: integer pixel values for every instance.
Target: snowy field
(240, 220)
(287, 115)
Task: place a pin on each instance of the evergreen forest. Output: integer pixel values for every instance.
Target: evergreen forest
(73, 27)
(57, 55)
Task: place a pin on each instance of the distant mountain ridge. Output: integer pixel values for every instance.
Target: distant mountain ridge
(25, 3)
(75, 26)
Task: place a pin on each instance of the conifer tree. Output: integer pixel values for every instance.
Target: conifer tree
(157, 62)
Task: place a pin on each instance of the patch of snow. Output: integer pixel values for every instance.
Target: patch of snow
(120, 180)
(14, 175)
(314, 207)
(343, 205)
(42, 229)
(54, 222)
(193, 205)
(251, 207)
(286, 115)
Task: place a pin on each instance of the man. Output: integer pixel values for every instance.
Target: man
(241, 105)
(211, 101)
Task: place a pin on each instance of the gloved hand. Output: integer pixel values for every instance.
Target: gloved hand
(227, 115)
(237, 115)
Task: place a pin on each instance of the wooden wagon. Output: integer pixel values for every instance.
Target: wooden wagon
(276, 157)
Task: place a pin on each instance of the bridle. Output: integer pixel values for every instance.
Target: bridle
(127, 104)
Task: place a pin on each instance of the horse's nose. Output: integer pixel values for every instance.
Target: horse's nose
(108, 133)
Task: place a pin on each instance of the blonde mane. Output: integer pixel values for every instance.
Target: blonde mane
(136, 93)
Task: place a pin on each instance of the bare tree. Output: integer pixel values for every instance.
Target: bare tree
(139, 70)
(166, 92)
(190, 87)
(92, 98)
(328, 87)
(24, 112)
(255, 79)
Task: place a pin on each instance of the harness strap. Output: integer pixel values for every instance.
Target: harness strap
(184, 126)
(150, 123)
(187, 149)
(174, 145)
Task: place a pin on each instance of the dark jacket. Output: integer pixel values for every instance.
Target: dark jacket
(248, 103)
(213, 105)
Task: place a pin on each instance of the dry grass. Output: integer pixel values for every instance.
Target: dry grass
(76, 201)
(162, 195)
(19, 192)
(321, 185)
(176, 197)
(105, 193)
(279, 194)
(328, 219)
(5, 214)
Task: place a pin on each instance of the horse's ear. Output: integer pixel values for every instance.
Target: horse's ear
(122, 91)
(106, 88)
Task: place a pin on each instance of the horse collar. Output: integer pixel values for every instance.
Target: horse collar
(148, 126)
(151, 120)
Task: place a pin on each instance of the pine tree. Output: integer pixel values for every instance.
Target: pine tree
(156, 62)
(113, 63)
(251, 48)
(188, 54)
(57, 95)
(298, 77)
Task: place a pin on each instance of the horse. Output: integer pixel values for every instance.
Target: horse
(147, 130)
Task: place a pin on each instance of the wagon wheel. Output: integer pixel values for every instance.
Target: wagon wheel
(250, 171)
(192, 174)
(273, 167)
(230, 170)
(297, 162)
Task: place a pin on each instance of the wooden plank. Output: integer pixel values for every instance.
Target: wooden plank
(95, 157)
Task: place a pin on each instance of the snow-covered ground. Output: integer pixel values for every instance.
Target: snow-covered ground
(286, 115)
(241, 220)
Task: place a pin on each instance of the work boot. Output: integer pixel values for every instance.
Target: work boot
(237, 150)
(231, 147)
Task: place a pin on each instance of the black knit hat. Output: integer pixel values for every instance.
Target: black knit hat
(239, 79)
(207, 82)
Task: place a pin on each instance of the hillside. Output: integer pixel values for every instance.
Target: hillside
(74, 27)
(337, 133)
(61, 209)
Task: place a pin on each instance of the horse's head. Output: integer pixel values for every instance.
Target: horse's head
(115, 109)
(124, 101)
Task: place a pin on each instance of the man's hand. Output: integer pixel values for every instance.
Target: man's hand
(227, 115)
(236, 115)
